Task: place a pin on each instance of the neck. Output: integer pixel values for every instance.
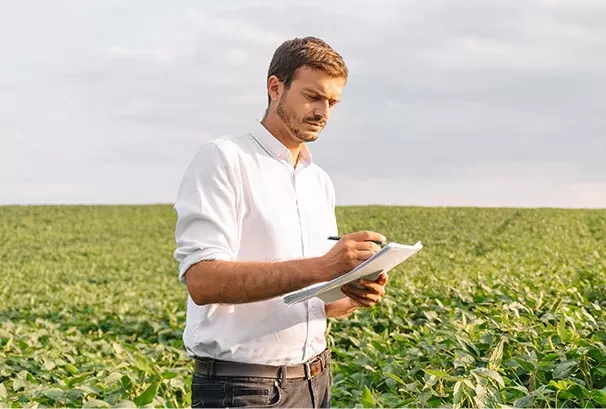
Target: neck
(279, 131)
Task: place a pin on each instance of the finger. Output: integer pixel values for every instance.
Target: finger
(365, 250)
(368, 246)
(366, 236)
(362, 293)
(364, 255)
(364, 302)
(370, 287)
(359, 301)
(382, 279)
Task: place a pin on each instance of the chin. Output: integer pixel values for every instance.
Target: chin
(313, 135)
(310, 137)
(307, 136)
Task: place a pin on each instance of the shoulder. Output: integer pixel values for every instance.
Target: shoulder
(321, 173)
(223, 149)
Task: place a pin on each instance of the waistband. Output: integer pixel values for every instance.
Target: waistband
(213, 367)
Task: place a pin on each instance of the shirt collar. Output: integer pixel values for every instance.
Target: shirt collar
(275, 148)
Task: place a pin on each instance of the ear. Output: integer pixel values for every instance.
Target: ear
(275, 88)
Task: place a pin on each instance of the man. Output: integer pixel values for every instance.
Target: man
(254, 214)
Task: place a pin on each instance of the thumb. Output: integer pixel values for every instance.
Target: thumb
(383, 279)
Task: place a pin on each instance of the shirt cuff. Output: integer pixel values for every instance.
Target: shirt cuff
(200, 256)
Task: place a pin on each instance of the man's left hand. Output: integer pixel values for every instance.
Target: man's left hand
(365, 293)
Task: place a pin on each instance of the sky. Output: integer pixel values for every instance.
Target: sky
(448, 103)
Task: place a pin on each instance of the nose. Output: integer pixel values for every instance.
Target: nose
(322, 109)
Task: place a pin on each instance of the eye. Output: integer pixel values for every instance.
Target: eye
(313, 97)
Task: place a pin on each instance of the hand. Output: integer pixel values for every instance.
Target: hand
(365, 293)
(351, 251)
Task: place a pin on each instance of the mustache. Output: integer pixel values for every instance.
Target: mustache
(315, 120)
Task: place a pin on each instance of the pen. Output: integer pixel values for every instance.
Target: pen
(339, 238)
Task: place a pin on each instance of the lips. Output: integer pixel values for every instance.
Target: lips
(315, 124)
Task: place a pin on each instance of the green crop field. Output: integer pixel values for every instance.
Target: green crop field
(503, 307)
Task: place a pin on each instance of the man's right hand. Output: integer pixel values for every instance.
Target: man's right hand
(236, 282)
(351, 251)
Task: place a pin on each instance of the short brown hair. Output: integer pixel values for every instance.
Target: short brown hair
(309, 52)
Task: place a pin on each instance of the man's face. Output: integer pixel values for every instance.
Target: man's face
(305, 106)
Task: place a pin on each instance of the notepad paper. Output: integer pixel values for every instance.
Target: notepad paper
(384, 260)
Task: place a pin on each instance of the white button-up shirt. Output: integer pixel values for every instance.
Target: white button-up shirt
(241, 199)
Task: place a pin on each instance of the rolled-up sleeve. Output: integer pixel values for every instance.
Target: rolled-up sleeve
(207, 222)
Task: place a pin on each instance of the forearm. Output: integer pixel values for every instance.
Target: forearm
(339, 309)
(233, 282)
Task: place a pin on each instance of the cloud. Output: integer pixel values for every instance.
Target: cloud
(466, 102)
(237, 30)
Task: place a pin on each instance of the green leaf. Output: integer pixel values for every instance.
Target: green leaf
(127, 383)
(54, 393)
(96, 403)
(431, 381)
(113, 378)
(367, 399)
(550, 357)
(560, 385)
(456, 397)
(523, 402)
(598, 396)
(520, 388)
(117, 348)
(74, 395)
(19, 384)
(22, 345)
(487, 373)
(527, 365)
(436, 372)
(90, 389)
(579, 391)
(48, 365)
(562, 331)
(497, 356)
(468, 383)
(597, 355)
(148, 394)
(3, 393)
(77, 379)
(562, 370)
(480, 397)
(127, 404)
(169, 375)
(396, 378)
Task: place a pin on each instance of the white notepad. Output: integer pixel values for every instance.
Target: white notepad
(384, 260)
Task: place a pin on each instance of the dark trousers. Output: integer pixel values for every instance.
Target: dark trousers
(222, 392)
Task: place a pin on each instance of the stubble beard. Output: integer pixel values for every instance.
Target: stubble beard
(293, 124)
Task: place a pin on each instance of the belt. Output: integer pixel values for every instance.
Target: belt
(214, 367)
